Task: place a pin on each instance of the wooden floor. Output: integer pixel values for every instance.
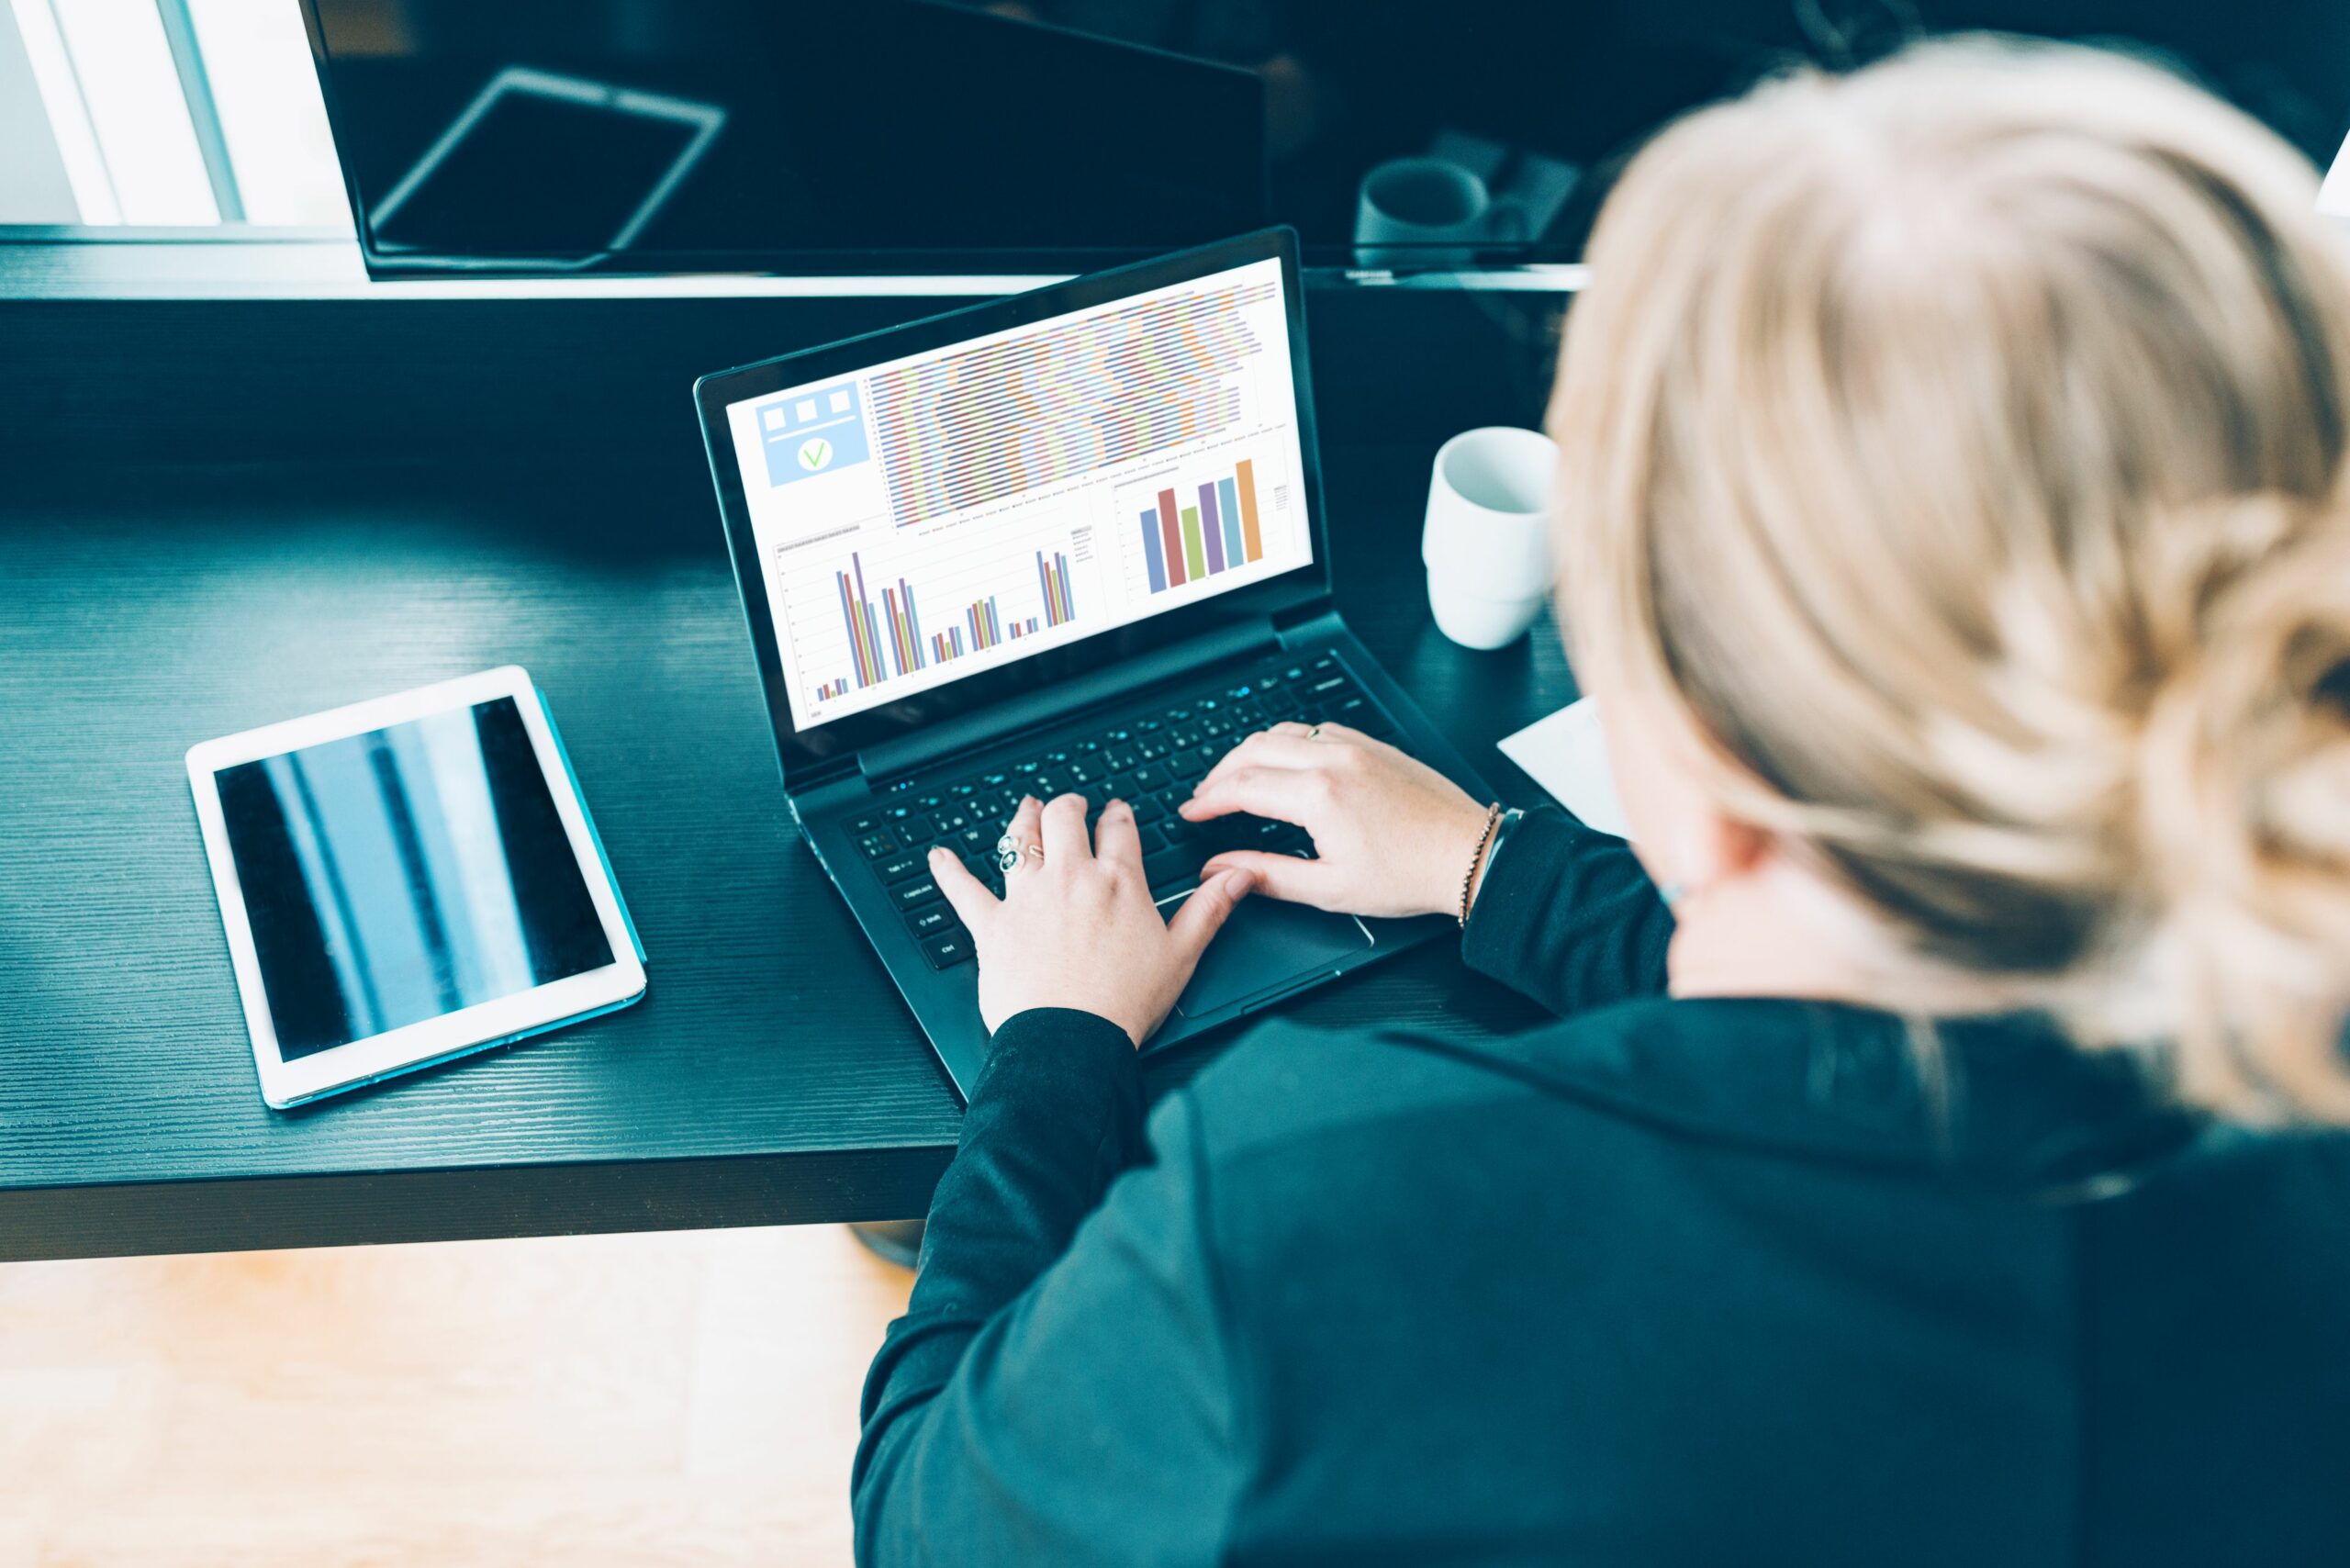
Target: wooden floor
(581, 1401)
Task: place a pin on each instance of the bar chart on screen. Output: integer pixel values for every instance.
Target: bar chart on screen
(857, 623)
(1218, 514)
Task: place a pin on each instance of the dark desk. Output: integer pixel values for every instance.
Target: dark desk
(769, 1076)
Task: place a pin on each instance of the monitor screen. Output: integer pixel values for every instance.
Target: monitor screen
(788, 135)
(959, 509)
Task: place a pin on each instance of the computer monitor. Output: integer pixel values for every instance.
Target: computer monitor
(800, 136)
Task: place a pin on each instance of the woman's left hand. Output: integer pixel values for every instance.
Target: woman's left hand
(1076, 927)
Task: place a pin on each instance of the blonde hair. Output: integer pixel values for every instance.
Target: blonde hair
(1952, 458)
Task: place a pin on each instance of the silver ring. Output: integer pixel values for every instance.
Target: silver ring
(1009, 852)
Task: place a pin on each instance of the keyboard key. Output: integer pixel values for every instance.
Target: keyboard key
(948, 948)
(1120, 757)
(878, 845)
(913, 895)
(1148, 777)
(1358, 712)
(1186, 764)
(931, 920)
(904, 864)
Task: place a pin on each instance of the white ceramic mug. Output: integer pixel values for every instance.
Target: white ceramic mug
(1487, 540)
(1429, 212)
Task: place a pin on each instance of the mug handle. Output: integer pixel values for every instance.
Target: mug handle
(1509, 222)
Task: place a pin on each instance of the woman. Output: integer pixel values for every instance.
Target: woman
(1932, 1163)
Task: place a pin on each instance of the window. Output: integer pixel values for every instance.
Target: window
(163, 113)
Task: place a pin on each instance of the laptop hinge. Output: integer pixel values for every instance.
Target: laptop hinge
(1313, 610)
(1001, 722)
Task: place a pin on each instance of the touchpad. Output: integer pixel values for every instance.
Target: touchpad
(1265, 946)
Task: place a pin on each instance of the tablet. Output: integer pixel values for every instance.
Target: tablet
(405, 880)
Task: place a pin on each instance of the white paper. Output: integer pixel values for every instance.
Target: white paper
(2333, 197)
(1567, 755)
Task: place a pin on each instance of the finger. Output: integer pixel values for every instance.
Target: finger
(1273, 749)
(1117, 839)
(1064, 828)
(965, 894)
(1023, 829)
(1204, 912)
(1287, 794)
(1284, 877)
(1324, 733)
(1024, 824)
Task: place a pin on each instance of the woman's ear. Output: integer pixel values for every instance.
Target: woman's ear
(1701, 849)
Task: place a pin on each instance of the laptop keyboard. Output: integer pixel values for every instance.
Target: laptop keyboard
(1149, 758)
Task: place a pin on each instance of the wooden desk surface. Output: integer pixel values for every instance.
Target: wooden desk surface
(769, 1076)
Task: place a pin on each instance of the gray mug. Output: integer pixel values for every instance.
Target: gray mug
(1429, 212)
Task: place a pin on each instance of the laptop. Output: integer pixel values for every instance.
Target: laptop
(1072, 540)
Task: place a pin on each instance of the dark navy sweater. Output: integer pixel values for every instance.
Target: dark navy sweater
(1669, 1283)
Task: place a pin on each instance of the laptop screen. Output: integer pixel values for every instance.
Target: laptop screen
(963, 508)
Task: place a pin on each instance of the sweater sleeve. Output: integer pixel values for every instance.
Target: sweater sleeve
(1567, 915)
(1003, 1417)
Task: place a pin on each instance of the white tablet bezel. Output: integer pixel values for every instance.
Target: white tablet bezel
(284, 1083)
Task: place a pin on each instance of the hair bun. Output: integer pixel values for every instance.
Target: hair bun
(2244, 796)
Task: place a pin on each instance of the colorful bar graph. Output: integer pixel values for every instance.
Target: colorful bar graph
(1171, 534)
(1214, 534)
(866, 637)
(1233, 547)
(1245, 473)
(1052, 578)
(889, 638)
(905, 627)
(986, 626)
(1207, 540)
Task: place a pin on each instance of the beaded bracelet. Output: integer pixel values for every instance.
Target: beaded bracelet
(1469, 878)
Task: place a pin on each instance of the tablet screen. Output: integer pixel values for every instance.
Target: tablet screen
(396, 876)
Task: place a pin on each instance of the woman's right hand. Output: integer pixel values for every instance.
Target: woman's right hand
(1391, 835)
